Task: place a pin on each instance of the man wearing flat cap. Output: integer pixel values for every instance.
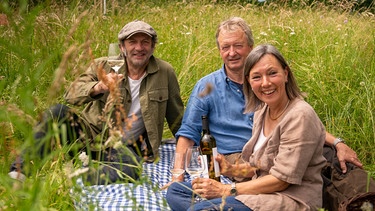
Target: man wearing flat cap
(129, 105)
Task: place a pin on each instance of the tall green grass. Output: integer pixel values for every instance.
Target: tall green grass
(44, 47)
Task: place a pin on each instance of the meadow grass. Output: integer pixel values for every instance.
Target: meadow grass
(330, 49)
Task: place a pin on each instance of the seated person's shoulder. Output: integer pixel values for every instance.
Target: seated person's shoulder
(213, 79)
(101, 59)
(163, 64)
(301, 105)
(302, 110)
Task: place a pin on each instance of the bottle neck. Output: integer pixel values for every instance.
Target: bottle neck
(206, 131)
(205, 128)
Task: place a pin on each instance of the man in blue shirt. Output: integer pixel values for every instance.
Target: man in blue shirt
(224, 107)
(219, 96)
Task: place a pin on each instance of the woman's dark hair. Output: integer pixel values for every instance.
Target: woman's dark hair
(292, 90)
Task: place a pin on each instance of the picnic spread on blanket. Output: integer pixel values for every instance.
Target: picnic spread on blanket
(129, 196)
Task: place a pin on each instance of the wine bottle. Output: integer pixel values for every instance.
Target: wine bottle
(208, 148)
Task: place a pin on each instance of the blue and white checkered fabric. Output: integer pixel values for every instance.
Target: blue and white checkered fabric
(129, 196)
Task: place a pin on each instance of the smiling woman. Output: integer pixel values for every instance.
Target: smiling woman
(285, 130)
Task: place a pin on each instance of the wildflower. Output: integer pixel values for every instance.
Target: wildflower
(263, 33)
(117, 145)
(69, 169)
(115, 136)
(84, 159)
(362, 83)
(78, 172)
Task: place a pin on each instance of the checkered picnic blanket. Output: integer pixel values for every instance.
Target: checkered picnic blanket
(129, 196)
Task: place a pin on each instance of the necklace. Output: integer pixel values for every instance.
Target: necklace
(278, 116)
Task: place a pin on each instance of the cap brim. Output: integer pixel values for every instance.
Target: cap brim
(136, 32)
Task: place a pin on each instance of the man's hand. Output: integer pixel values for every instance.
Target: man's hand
(174, 179)
(241, 170)
(105, 83)
(346, 154)
(182, 144)
(226, 168)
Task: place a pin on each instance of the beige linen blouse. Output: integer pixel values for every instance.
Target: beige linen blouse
(292, 153)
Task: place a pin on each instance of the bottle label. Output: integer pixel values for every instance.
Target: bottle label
(205, 163)
(216, 164)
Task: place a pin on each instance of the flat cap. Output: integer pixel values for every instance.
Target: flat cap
(134, 27)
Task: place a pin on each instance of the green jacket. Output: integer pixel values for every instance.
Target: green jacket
(159, 98)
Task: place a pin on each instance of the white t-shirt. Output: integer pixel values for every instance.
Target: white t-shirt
(260, 141)
(134, 125)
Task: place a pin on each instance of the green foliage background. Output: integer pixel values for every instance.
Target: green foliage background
(46, 44)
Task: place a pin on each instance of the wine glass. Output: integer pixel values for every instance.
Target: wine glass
(194, 164)
(177, 167)
(113, 57)
(113, 51)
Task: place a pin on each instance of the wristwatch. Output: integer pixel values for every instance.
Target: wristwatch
(338, 140)
(233, 190)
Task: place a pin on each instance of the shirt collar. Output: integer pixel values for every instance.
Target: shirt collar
(228, 80)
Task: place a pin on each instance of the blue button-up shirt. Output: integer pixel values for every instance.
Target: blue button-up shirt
(224, 106)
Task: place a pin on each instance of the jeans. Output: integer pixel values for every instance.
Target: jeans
(180, 197)
(43, 138)
(123, 159)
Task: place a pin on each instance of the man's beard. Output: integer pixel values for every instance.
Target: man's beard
(136, 62)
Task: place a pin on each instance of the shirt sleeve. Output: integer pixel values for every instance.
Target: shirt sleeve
(79, 91)
(191, 127)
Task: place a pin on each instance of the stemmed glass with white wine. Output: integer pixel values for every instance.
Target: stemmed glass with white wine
(194, 164)
(114, 59)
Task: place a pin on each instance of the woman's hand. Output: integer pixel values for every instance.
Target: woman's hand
(209, 188)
